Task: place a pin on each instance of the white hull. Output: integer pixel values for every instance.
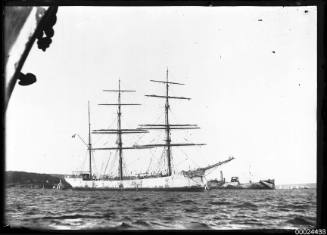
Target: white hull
(176, 182)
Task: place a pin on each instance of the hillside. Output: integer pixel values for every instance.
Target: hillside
(33, 180)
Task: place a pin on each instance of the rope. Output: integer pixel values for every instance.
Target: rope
(124, 168)
(141, 137)
(189, 158)
(181, 161)
(209, 171)
(162, 159)
(104, 172)
(114, 160)
(83, 164)
(101, 137)
(92, 158)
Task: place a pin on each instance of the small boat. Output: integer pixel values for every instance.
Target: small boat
(59, 186)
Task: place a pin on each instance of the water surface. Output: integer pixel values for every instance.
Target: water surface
(215, 209)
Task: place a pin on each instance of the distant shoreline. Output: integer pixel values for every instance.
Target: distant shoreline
(33, 180)
(42, 180)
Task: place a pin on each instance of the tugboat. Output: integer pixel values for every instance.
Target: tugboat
(235, 184)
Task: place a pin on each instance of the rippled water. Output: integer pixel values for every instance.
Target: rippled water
(215, 209)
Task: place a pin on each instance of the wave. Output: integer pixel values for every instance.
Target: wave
(124, 225)
(138, 199)
(73, 216)
(197, 225)
(142, 223)
(187, 201)
(190, 210)
(109, 214)
(299, 206)
(171, 200)
(302, 220)
(220, 203)
(142, 209)
(246, 205)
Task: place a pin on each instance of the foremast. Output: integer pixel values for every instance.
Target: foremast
(167, 126)
(119, 131)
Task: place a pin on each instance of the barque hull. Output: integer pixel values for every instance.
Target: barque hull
(177, 182)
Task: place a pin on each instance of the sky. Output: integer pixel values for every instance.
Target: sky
(250, 73)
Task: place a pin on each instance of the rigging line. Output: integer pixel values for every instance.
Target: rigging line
(162, 159)
(124, 168)
(138, 158)
(174, 117)
(182, 161)
(101, 168)
(102, 136)
(110, 165)
(85, 157)
(109, 126)
(186, 139)
(209, 172)
(158, 163)
(149, 165)
(152, 151)
(104, 172)
(151, 157)
(101, 165)
(155, 138)
(114, 160)
(139, 139)
(158, 136)
(188, 157)
(177, 121)
(94, 165)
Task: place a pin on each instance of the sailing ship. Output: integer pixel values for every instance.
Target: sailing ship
(169, 180)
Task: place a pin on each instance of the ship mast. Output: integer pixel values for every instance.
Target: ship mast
(89, 144)
(167, 126)
(119, 131)
(168, 139)
(119, 142)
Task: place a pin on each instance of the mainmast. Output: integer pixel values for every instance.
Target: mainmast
(119, 131)
(168, 139)
(167, 126)
(119, 142)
